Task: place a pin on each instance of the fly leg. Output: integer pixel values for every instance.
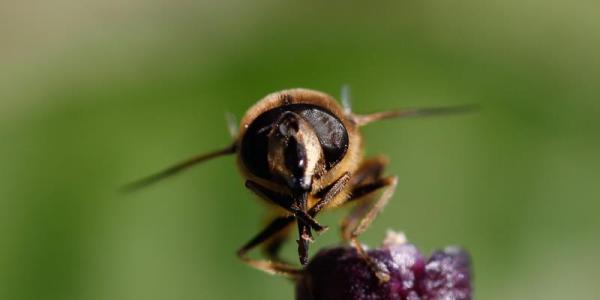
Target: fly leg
(368, 181)
(272, 267)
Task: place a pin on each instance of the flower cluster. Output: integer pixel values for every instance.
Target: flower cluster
(342, 273)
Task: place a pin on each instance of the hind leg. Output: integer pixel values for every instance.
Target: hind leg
(368, 208)
(276, 229)
(368, 181)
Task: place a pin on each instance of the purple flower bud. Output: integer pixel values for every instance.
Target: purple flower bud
(447, 275)
(341, 273)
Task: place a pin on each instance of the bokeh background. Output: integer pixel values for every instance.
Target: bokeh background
(96, 93)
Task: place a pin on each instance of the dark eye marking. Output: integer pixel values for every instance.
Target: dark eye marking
(331, 132)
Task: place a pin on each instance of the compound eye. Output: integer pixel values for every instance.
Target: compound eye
(331, 132)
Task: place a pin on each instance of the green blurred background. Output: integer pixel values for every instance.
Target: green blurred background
(96, 93)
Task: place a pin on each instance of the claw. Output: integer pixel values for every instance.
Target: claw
(323, 230)
(307, 237)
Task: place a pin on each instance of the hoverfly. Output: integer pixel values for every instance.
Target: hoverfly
(300, 151)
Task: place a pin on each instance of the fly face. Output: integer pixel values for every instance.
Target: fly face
(294, 152)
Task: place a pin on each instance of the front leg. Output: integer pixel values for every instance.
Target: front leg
(330, 193)
(298, 208)
(285, 202)
(303, 230)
